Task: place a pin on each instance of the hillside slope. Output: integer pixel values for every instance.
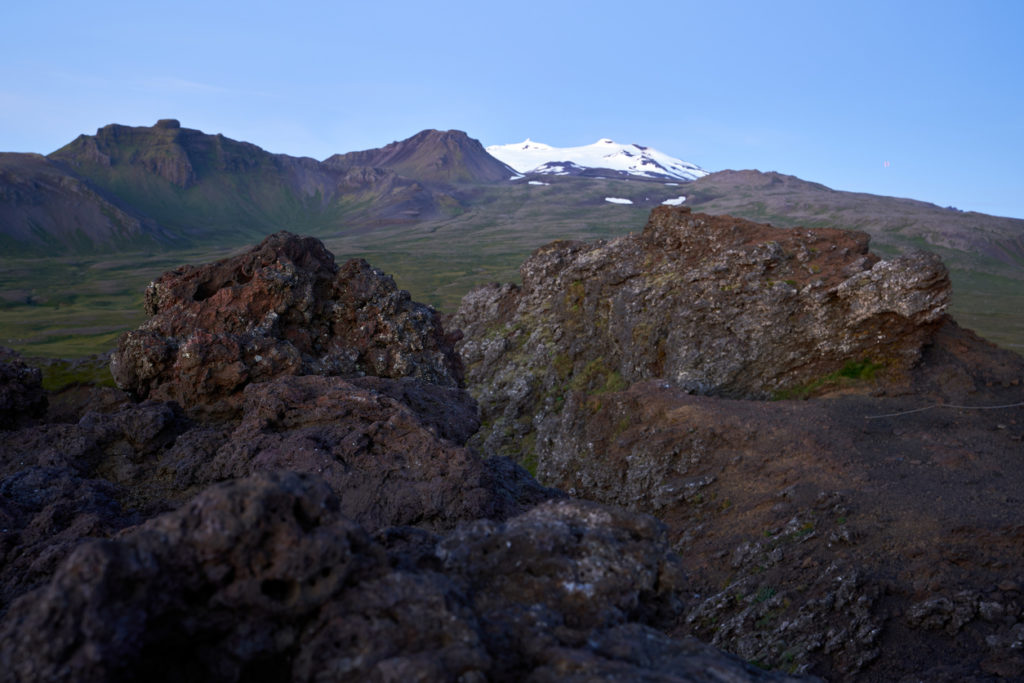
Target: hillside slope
(433, 156)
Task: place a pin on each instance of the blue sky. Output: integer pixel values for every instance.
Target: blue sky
(827, 91)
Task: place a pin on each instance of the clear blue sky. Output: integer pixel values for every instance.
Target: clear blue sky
(827, 91)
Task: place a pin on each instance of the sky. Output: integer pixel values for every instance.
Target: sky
(909, 99)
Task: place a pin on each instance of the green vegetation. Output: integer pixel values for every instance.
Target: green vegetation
(72, 306)
(59, 373)
(596, 378)
(863, 370)
(77, 307)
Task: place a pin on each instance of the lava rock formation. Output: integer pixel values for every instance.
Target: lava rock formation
(285, 493)
(868, 534)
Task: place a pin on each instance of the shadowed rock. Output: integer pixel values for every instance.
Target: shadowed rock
(263, 578)
(21, 390)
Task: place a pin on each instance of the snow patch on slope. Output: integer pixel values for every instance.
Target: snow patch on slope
(618, 200)
(536, 157)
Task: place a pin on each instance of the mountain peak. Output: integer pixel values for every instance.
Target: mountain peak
(606, 154)
(449, 156)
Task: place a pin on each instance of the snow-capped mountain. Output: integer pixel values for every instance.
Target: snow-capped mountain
(536, 157)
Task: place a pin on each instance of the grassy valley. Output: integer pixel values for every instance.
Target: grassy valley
(84, 230)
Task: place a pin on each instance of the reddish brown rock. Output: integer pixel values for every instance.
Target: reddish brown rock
(283, 308)
(257, 563)
(712, 304)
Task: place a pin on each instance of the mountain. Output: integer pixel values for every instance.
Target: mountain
(200, 187)
(603, 157)
(166, 187)
(431, 156)
(44, 209)
(437, 209)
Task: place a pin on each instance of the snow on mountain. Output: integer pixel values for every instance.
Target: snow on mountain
(536, 157)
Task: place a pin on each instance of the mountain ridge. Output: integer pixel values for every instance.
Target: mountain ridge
(164, 191)
(602, 157)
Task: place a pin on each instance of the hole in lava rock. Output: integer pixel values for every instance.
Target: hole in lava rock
(305, 522)
(204, 290)
(279, 590)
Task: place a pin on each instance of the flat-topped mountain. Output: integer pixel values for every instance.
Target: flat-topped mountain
(165, 186)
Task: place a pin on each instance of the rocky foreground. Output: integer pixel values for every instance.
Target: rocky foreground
(294, 483)
(872, 533)
(283, 492)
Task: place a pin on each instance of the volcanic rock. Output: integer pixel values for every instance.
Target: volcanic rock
(45, 513)
(311, 510)
(21, 390)
(283, 308)
(865, 534)
(389, 463)
(263, 578)
(712, 304)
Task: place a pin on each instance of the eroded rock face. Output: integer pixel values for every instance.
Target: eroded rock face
(283, 308)
(856, 536)
(21, 390)
(263, 578)
(712, 304)
(862, 535)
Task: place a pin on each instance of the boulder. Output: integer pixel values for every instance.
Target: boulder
(282, 308)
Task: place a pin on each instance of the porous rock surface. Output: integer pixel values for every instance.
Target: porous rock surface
(282, 308)
(712, 304)
(301, 525)
(869, 534)
(263, 578)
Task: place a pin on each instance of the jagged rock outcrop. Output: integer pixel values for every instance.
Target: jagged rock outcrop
(712, 304)
(283, 308)
(21, 390)
(865, 535)
(264, 578)
(289, 523)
